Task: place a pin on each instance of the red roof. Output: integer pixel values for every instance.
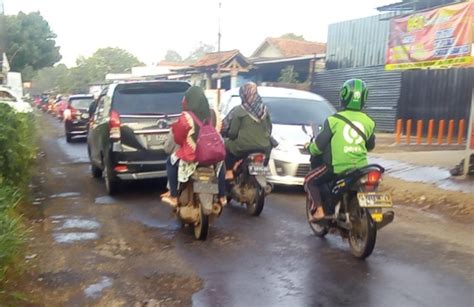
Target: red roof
(292, 47)
(170, 63)
(215, 58)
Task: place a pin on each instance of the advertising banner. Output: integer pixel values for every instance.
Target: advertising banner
(439, 38)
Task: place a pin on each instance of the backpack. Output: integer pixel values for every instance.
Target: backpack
(210, 148)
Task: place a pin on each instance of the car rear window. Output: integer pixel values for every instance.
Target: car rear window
(81, 103)
(291, 111)
(149, 98)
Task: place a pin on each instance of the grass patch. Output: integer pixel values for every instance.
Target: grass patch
(17, 156)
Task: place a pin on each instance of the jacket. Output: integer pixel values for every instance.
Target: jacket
(247, 134)
(341, 146)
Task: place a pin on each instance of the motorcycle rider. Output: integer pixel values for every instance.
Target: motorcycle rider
(247, 126)
(343, 144)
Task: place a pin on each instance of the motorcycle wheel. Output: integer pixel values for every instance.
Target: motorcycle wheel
(363, 234)
(256, 208)
(319, 230)
(201, 230)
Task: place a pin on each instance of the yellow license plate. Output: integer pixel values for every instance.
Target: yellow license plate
(375, 200)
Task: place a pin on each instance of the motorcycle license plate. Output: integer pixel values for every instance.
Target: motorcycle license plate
(205, 187)
(375, 200)
(255, 169)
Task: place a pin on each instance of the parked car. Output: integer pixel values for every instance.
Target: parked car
(76, 116)
(129, 128)
(8, 97)
(294, 115)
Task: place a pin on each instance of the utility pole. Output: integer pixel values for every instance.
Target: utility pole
(219, 50)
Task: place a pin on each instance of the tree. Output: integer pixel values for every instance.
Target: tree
(88, 70)
(199, 52)
(173, 56)
(52, 79)
(288, 75)
(30, 43)
(293, 36)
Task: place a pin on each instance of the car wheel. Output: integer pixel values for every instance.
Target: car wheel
(68, 138)
(96, 172)
(111, 181)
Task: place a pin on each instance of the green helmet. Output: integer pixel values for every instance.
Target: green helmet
(354, 94)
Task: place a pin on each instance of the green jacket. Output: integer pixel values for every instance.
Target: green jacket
(341, 146)
(246, 134)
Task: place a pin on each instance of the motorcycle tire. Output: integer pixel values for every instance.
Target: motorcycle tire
(319, 230)
(256, 208)
(362, 246)
(201, 230)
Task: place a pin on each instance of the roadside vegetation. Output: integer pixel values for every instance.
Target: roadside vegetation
(17, 155)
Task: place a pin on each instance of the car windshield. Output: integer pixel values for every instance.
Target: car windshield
(81, 103)
(291, 111)
(153, 98)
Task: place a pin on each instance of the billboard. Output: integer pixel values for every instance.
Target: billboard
(439, 38)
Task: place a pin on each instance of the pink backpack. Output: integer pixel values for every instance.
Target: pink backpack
(210, 148)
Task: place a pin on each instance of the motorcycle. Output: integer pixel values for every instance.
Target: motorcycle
(358, 209)
(357, 204)
(250, 185)
(198, 202)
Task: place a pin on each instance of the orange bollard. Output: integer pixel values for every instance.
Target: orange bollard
(442, 123)
(429, 138)
(408, 132)
(450, 131)
(460, 131)
(398, 131)
(419, 131)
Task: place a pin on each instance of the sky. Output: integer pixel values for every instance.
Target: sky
(148, 28)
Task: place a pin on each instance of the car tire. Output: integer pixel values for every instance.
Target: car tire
(68, 138)
(95, 171)
(111, 181)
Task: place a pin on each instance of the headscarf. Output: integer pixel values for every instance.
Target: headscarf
(252, 102)
(196, 102)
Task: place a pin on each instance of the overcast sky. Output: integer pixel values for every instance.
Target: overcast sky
(148, 28)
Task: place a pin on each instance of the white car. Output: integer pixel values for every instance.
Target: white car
(7, 97)
(294, 115)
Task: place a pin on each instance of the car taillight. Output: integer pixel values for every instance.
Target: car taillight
(258, 158)
(114, 125)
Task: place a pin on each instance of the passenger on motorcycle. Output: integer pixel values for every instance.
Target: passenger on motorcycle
(181, 164)
(342, 145)
(247, 127)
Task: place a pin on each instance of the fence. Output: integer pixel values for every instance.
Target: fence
(437, 132)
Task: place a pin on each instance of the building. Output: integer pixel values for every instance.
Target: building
(205, 72)
(275, 54)
(358, 49)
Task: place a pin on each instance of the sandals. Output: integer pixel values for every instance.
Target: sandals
(172, 201)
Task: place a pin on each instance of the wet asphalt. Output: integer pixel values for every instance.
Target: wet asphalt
(275, 260)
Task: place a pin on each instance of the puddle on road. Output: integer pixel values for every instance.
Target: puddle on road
(104, 200)
(424, 174)
(94, 290)
(65, 195)
(72, 237)
(57, 172)
(80, 223)
(77, 152)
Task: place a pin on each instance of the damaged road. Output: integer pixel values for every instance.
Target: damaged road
(128, 250)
